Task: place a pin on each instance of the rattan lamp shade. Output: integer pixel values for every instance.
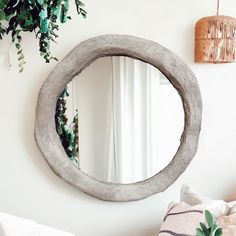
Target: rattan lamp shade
(215, 39)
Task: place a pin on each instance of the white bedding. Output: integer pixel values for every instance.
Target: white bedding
(14, 226)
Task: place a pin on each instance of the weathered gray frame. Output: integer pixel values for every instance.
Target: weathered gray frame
(74, 63)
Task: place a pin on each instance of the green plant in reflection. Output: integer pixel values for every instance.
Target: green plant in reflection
(68, 133)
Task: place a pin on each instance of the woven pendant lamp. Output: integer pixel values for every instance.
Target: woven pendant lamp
(215, 39)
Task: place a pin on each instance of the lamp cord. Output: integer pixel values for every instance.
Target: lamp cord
(218, 7)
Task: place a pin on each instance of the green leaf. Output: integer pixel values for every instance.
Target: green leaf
(21, 57)
(79, 8)
(43, 14)
(18, 46)
(22, 63)
(44, 25)
(43, 21)
(41, 2)
(218, 232)
(64, 11)
(2, 15)
(20, 51)
(83, 13)
(200, 232)
(204, 228)
(3, 4)
(213, 228)
(209, 218)
(54, 58)
(21, 69)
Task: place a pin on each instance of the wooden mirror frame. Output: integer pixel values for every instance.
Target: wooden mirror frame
(176, 71)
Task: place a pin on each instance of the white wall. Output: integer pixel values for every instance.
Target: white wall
(28, 186)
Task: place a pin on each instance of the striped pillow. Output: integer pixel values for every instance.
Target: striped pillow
(182, 220)
(228, 224)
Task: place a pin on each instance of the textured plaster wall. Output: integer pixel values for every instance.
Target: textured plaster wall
(28, 188)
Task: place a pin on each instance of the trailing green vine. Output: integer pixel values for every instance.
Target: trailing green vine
(39, 16)
(68, 133)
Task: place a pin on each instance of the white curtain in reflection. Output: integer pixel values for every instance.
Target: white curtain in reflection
(132, 121)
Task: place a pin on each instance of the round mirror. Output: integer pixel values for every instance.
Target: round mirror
(109, 122)
(120, 120)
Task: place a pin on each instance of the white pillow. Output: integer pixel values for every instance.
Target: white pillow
(216, 207)
(232, 206)
(2, 232)
(191, 197)
(14, 226)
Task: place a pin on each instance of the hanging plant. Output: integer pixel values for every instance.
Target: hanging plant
(68, 133)
(39, 16)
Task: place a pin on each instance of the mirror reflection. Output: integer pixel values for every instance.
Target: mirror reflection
(120, 120)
